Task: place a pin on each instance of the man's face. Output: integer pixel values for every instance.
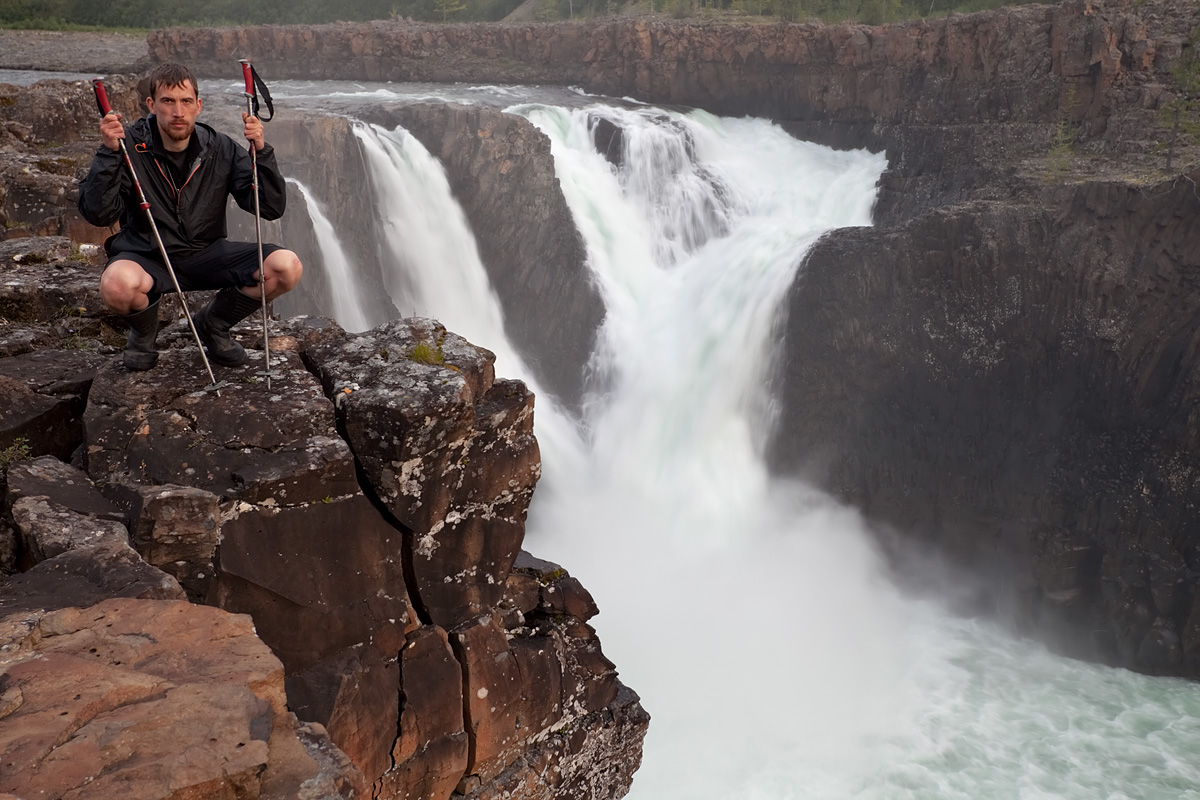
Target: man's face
(176, 109)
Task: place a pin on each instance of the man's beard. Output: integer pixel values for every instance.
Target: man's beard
(180, 135)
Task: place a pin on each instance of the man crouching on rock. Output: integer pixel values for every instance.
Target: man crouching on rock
(186, 170)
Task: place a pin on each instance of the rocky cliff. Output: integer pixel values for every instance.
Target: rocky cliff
(370, 625)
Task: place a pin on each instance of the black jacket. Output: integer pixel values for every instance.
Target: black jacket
(190, 217)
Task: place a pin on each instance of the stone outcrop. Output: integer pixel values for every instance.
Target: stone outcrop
(364, 511)
(150, 698)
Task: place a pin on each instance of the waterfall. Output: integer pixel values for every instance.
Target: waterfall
(345, 304)
(752, 614)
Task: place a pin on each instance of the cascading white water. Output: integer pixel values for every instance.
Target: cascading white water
(345, 304)
(753, 615)
(427, 248)
(431, 263)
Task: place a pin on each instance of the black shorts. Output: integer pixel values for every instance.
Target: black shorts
(223, 263)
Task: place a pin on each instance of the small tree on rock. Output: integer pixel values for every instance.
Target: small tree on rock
(448, 8)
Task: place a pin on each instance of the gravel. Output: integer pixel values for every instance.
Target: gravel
(58, 51)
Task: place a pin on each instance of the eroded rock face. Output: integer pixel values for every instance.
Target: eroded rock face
(47, 137)
(1014, 62)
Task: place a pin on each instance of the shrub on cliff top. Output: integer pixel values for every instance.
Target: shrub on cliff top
(1182, 113)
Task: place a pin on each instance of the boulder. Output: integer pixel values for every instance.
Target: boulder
(177, 529)
(70, 487)
(46, 529)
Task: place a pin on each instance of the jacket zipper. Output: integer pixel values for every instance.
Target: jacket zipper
(178, 190)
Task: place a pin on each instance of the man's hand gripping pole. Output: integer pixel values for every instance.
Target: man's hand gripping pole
(248, 76)
(106, 109)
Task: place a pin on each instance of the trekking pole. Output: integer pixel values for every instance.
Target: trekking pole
(105, 110)
(248, 75)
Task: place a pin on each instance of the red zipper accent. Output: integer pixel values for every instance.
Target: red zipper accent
(188, 179)
(170, 182)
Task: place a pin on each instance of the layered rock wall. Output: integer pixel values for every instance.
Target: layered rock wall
(992, 66)
(1018, 386)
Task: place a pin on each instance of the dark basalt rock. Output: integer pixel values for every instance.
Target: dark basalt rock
(431, 754)
(1017, 385)
(449, 450)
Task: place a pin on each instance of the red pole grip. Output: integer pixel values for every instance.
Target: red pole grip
(248, 76)
(101, 96)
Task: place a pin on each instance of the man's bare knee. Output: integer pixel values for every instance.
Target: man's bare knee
(125, 286)
(283, 272)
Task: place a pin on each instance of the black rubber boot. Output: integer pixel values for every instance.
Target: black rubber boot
(213, 322)
(140, 352)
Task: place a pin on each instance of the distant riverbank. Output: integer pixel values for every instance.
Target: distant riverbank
(65, 51)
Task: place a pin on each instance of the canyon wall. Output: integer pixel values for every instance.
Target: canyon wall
(1013, 63)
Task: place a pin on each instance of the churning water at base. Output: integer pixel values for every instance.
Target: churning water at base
(753, 615)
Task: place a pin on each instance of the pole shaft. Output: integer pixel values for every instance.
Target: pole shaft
(247, 75)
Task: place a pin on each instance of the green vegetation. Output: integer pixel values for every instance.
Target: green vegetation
(138, 15)
(1062, 149)
(1182, 114)
(448, 8)
(427, 353)
(1062, 146)
(17, 451)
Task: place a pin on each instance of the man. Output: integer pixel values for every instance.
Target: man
(186, 170)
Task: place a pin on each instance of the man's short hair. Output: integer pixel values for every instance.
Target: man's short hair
(168, 76)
